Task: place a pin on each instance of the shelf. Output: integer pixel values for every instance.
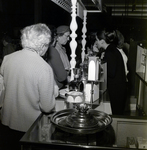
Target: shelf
(141, 77)
(141, 73)
(141, 62)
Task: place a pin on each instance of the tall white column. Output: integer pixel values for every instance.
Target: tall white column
(73, 35)
(84, 30)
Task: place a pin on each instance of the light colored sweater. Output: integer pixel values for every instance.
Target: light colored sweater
(29, 89)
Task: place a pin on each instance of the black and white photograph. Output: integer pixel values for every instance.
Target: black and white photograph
(73, 74)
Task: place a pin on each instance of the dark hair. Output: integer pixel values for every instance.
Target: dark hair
(120, 39)
(109, 37)
(53, 32)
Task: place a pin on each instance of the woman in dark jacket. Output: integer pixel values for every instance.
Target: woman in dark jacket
(116, 78)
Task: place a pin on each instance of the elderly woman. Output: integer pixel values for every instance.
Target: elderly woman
(58, 58)
(29, 82)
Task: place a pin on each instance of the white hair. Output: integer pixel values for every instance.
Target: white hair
(35, 36)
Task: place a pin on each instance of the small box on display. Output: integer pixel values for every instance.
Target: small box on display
(142, 143)
(137, 142)
(131, 142)
(88, 92)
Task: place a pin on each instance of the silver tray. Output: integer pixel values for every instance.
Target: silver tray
(58, 119)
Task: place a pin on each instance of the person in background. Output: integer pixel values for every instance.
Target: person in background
(90, 44)
(116, 77)
(8, 47)
(53, 36)
(98, 52)
(120, 44)
(92, 48)
(58, 58)
(29, 84)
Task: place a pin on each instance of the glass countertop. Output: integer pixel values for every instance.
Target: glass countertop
(45, 134)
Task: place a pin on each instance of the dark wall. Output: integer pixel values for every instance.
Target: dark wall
(16, 14)
(54, 14)
(135, 28)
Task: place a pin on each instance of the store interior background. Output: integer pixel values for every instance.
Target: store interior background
(128, 16)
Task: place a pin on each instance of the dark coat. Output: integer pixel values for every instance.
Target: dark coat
(55, 61)
(115, 66)
(116, 80)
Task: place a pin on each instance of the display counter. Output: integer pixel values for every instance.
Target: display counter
(121, 134)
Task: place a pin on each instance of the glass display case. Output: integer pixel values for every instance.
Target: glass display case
(120, 134)
(141, 79)
(141, 62)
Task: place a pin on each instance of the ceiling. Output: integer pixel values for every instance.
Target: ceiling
(129, 8)
(129, 16)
